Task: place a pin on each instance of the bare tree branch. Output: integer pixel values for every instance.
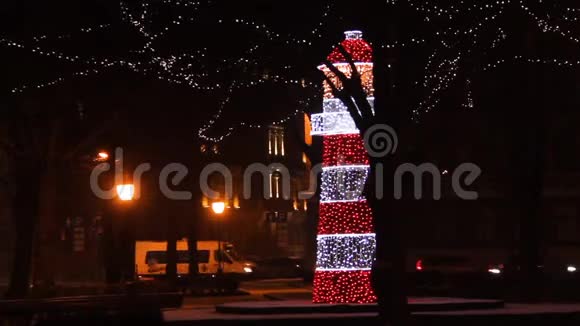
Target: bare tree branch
(354, 86)
(344, 96)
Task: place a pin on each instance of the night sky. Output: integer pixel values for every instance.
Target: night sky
(159, 110)
(23, 20)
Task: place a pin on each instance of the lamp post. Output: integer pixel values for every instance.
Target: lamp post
(218, 208)
(125, 195)
(126, 192)
(102, 156)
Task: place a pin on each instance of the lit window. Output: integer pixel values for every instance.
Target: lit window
(270, 140)
(204, 202)
(276, 141)
(271, 185)
(282, 143)
(275, 184)
(275, 144)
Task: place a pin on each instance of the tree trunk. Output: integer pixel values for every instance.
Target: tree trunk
(529, 186)
(311, 243)
(112, 267)
(127, 251)
(529, 139)
(171, 267)
(388, 272)
(193, 271)
(44, 254)
(25, 218)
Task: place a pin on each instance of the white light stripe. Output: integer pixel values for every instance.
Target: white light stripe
(345, 235)
(345, 64)
(333, 123)
(333, 105)
(320, 269)
(345, 251)
(340, 201)
(343, 183)
(343, 201)
(344, 132)
(346, 167)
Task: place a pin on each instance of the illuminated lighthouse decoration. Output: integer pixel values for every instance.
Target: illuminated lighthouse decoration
(345, 241)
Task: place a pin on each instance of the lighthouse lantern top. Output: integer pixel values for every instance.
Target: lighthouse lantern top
(355, 45)
(353, 35)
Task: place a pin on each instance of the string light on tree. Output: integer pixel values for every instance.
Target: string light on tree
(83, 73)
(96, 28)
(185, 69)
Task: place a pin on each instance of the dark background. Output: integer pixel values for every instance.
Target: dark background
(159, 121)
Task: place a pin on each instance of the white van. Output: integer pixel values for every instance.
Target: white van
(151, 258)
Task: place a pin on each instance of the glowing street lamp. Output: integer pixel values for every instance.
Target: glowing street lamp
(126, 192)
(103, 155)
(218, 207)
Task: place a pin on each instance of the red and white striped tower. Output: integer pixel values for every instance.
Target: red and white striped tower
(346, 239)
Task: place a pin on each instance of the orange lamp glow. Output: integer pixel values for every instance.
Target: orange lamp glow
(126, 192)
(218, 207)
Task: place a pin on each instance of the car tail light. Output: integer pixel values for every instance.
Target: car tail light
(419, 265)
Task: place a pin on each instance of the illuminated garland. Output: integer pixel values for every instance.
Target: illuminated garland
(345, 242)
(45, 37)
(163, 68)
(337, 218)
(561, 63)
(335, 119)
(330, 105)
(468, 95)
(441, 69)
(359, 50)
(204, 130)
(343, 287)
(432, 11)
(344, 150)
(365, 71)
(346, 252)
(334, 123)
(84, 73)
(545, 26)
(51, 53)
(343, 183)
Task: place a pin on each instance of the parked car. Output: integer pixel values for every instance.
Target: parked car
(216, 261)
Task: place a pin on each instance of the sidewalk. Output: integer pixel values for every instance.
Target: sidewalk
(512, 314)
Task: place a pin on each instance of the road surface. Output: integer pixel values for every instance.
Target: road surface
(258, 290)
